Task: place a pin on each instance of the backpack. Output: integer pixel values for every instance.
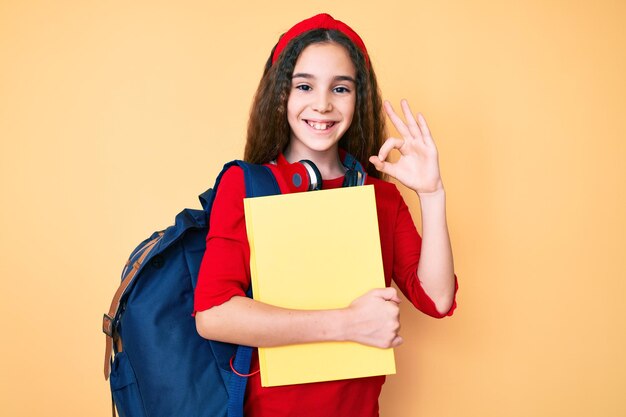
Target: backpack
(161, 366)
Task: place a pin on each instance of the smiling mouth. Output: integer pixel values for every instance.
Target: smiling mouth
(320, 125)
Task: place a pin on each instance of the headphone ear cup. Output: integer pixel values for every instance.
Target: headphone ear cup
(351, 178)
(315, 177)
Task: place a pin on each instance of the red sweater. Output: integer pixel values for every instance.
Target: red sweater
(225, 272)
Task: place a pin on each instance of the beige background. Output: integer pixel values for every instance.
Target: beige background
(114, 115)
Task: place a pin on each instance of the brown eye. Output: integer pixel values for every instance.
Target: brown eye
(341, 90)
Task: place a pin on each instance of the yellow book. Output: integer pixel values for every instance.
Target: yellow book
(312, 251)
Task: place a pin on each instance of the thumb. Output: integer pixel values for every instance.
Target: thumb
(389, 294)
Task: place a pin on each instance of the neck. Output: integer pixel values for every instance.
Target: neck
(328, 162)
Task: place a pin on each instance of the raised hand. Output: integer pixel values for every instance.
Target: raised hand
(418, 166)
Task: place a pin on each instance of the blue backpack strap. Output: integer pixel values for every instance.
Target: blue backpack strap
(206, 198)
(259, 182)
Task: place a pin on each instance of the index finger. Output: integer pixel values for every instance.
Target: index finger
(396, 120)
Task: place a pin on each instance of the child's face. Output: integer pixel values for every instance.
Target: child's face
(321, 100)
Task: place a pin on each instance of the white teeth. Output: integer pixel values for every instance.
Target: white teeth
(320, 126)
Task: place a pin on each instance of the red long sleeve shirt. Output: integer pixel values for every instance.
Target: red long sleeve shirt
(225, 272)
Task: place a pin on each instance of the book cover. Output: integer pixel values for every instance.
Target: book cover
(312, 251)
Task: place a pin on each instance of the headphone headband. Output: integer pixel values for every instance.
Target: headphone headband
(305, 176)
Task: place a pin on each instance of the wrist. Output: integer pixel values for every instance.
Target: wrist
(436, 194)
(340, 323)
(433, 207)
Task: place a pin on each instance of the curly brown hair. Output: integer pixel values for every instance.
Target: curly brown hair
(268, 129)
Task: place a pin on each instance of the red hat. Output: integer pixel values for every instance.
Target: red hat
(320, 21)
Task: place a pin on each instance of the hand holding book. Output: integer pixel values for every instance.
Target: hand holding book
(375, 318)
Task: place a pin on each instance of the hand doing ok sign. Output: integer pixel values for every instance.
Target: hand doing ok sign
(418, 166)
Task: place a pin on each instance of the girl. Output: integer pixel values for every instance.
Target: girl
(317, 100)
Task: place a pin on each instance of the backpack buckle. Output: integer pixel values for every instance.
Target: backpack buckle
(107, 325)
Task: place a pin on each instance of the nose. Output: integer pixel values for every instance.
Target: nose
(323, 102)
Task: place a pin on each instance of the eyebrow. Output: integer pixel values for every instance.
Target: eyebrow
(335, 78)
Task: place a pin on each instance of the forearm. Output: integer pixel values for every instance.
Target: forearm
(436, 266)
(244, 321)
(372, 319)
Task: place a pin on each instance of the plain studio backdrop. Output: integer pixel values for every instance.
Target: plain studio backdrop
(115, 115)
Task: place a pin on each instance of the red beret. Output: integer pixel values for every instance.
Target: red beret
(320, 21)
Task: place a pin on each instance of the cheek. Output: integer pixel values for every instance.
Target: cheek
(292, 115)
(292, 108)
(349, 110)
